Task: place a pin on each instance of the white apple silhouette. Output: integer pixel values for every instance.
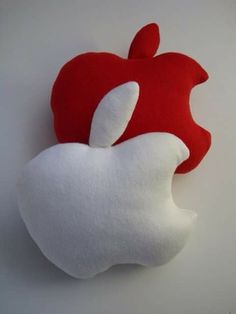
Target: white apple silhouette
(90, 207)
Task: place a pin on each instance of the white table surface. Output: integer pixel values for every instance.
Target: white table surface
(36, 38)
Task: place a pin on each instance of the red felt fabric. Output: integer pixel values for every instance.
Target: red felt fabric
(165, 83)
(145, 42)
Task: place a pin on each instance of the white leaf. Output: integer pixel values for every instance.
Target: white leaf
(113, 114)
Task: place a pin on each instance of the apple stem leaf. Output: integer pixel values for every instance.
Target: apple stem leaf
(113, 114)
(145, 42)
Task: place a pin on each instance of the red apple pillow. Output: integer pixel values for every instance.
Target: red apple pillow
(165, 84)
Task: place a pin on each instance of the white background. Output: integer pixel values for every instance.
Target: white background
(36, 39)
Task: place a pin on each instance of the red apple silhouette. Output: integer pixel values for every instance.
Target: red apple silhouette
(165, 84)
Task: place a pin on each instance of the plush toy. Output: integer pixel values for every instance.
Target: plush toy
(165, 83)
(89, 207)
(103, 196)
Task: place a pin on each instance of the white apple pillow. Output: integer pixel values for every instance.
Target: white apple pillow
(89, 207)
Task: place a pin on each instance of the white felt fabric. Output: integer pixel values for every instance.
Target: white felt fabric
(113, 114)
(89, 208)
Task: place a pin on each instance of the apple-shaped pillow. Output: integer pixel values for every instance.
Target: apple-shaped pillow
(165, 84)
(89, 207)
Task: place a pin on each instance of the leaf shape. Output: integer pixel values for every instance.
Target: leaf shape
(145, 42)
(113, 114)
